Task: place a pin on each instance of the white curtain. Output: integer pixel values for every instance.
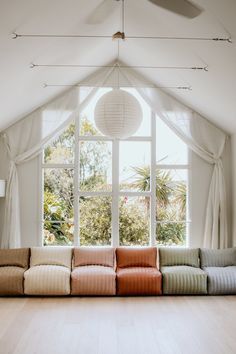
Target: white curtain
(26, 139)
(205, 140)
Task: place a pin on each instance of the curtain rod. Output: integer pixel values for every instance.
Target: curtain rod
(40, 35)
(204, 68)
(187, 88)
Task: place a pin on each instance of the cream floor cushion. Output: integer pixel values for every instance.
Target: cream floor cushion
(47, 280)
(54, 255)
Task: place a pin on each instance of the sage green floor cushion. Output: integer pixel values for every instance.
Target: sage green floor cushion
(181, 271)
(220, 266)
(184, 280)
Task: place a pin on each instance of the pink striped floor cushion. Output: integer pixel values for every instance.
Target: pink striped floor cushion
(93, 280)
(103, 256)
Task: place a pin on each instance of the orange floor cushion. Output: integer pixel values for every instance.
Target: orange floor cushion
(138, 281)
(137, 271)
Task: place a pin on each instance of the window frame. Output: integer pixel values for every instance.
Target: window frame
(116, 193)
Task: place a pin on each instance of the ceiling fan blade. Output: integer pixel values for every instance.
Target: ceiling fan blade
(101, 12)
(181, 7)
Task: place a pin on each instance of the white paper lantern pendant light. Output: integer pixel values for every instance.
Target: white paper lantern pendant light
(118, 114)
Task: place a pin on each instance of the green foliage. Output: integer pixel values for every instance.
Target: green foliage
(95, 213)
(171, 199)
(58, 229)
(95, 221)
(61, 150)
(163, 183)
(169, 234)
(134, 223)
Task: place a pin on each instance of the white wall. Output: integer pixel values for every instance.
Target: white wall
(233, 148)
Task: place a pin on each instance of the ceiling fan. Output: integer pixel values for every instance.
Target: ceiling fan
(185, 8)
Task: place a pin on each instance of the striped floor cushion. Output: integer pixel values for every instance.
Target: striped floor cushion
(221, 280)
(184, 280)
(11, 280)
(47, 280)
(93, 280)
(139, 281)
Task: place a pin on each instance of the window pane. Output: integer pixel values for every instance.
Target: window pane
(171, 195)
(135, 160)
(95, 165)
(145, 127)
(61, 151)
(171, 206)
(170, 149)
(56, 233)
(134, 221)
(171, 234)
(87, 123)
(95, 221)
(58, 194)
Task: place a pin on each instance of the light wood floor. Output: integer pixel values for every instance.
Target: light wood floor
(144, 325)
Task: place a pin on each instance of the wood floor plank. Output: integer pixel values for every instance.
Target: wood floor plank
(142, 325)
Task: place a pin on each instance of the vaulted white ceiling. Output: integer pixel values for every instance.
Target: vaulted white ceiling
(21, 88)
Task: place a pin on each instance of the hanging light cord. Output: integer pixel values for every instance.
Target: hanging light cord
(123, 16)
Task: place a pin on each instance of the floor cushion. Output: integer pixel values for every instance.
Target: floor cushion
(18, 257)
(184, 280)
(101, 256)
(221, 280)
(51, 255)
(13, 263)
(93, 280)
(136, 257)
(138, 281)
(11, 280)
(47, 280)
(218, 258)
(177, 256)
(94, 271)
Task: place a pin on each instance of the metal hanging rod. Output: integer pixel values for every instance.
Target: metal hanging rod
(35, 35)
(203, 68)
(186, 88)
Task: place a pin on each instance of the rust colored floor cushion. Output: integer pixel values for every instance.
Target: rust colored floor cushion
(49, 272)
(13, 264)
(94, 271)
(137, 271)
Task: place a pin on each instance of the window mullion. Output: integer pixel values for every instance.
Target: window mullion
(115, 194)
(76, 185)
(153, 182)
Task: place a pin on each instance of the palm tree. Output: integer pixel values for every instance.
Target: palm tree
(163, 183)
(181, 196)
